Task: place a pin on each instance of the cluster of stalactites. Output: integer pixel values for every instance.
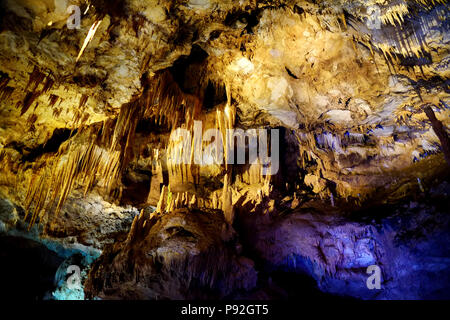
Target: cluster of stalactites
(170, 201)
(189, 170)
(76, 162)
(167, 104)
(94, 154)
(394, 12)
(223, 199)
(88, 157)
(402, 43)
(32, 91)
(108, 148)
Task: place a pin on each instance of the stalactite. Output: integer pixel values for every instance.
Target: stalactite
(4, 80)
(5, 93)
(89, 38)
(77, 162)
(52, 100)
(215, 201)
(30, 97)
(36, 78)
(193, 202)
(162, 200)
(227, 199)
(164, 97)
(56, 112)
(49, 82)
(395, 13)
(83, 100)
(31, 120)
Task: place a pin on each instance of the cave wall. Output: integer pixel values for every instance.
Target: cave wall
(87, 115)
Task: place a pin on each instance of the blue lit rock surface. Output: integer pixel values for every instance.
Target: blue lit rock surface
(52, 247)
(408, 242)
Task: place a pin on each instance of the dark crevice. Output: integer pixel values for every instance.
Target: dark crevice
(432, 83)
(423, 60)
(251, 19)
(147, 126)
(28, 267)
(290, 73)
(136, 187)
(298, 10)
(113, 8)
(88, 80)
(181, 66)
(179, 232)
(52, 145)
(214, 96)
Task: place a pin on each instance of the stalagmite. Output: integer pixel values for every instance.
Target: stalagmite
(155, 183)
(162, 200)
(227, 199)
(193, 202)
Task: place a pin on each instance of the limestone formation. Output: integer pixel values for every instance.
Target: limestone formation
(197, 142)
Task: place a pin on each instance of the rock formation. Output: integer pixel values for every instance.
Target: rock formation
(196, 148)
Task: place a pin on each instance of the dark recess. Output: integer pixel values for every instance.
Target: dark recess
(28, 269)
(135, 192)
(251, 19)
(290, 73)
(180, 67)
(58, 137)
(214, 96)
